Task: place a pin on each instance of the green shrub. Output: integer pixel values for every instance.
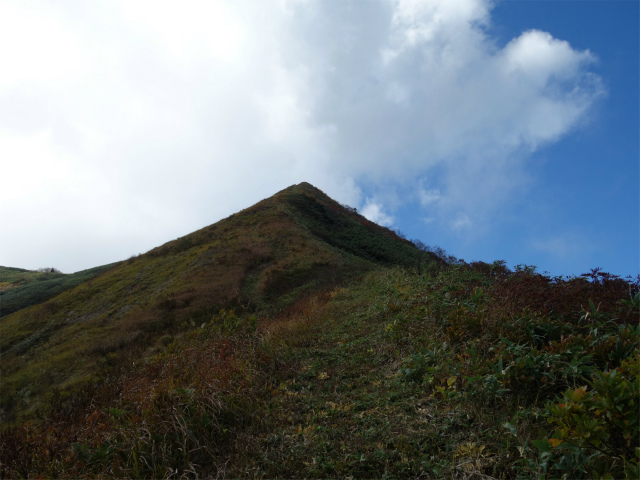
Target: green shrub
(595, 430)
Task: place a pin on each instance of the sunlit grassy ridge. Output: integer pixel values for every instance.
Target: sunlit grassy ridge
(21, 288)
(258, 260)
(297, 340)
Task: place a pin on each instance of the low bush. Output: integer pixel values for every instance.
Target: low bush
(469, 371)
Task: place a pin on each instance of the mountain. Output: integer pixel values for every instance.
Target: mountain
(295, 339)
(20, 288)
(260, 259)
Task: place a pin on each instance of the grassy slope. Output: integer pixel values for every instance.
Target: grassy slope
(258, 260)
(455, 374)
(397, 381)
(21, 288)
(332, 365)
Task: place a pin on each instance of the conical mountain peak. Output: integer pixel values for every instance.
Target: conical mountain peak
(260, 259)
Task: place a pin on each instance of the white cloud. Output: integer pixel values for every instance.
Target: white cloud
(429, 196)
(536, 56)
(461, 221)
(131, 123)
(374, 212)
(563, 245)
(432, 90)
(35, 46)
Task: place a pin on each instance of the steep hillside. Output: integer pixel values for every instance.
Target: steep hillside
(466, 372)
(20, 288)
(296, 339)
(258, 260)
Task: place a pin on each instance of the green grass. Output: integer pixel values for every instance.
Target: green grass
(292, 340)
(24, 288)
(259, 261)
(456, 373)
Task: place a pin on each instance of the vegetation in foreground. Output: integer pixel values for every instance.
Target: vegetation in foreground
(468, 371)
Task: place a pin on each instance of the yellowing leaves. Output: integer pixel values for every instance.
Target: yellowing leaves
(578, 393)
(555, 442)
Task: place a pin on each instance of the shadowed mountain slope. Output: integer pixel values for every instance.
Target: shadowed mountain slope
(258, 260)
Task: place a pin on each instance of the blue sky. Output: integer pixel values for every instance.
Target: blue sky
(581, 209)
(497, 130)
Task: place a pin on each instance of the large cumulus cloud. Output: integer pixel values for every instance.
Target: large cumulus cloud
(125, 124)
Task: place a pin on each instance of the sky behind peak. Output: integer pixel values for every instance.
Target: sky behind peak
(496, 130)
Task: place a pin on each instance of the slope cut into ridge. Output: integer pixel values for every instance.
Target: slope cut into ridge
(258, 260)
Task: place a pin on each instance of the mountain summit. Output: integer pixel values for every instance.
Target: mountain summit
(296, 339)
(258, 260)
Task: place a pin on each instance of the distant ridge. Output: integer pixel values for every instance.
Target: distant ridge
(21, 288)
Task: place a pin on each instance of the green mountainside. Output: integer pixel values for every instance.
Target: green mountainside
(296, 339)
(260, 259)
(21, 288)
